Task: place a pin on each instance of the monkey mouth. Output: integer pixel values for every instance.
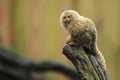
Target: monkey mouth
(67, 21)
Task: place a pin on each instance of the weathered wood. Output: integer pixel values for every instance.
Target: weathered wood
(88, 66)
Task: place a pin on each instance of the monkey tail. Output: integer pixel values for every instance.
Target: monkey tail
(93, 50)
(99, 56)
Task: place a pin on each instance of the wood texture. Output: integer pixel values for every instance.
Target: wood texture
(88, 66)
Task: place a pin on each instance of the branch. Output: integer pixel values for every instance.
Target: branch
(55, 66)
(88, 67)
(11, 74)
(16, 68)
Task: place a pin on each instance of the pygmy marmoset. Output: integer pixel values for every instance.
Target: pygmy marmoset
(82, 33)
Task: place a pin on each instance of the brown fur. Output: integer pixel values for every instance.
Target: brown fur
(82, 33)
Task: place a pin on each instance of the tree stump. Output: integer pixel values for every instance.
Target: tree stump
(88, 67)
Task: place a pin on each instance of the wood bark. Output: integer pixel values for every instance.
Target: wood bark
(88, 67)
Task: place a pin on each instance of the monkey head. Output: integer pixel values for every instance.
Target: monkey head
(68, 17)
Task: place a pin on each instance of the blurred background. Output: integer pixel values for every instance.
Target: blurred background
(32, 29)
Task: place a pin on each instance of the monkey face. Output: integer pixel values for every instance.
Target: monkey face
(67, 19)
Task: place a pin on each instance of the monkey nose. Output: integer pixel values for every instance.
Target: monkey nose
(67, 20)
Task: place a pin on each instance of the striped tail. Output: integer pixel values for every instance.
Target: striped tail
(96, 52)
(93, 50)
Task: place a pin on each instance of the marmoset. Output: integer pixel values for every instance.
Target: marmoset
(82, 32)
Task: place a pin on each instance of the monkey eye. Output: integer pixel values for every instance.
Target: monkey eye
(64, 17)
(68, 16)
